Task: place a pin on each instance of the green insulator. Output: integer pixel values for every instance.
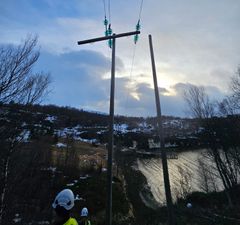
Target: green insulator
(136, 38)
(106, 33)
(110, 43)
(105, 21)
(109, 31)
(138, 26)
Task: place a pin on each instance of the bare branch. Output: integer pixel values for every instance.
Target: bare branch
(17, 82)
(235, 87)
(198, 102)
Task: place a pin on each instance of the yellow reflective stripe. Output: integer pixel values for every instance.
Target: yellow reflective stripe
(71, 221)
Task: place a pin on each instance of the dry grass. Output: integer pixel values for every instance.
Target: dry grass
(84, 153)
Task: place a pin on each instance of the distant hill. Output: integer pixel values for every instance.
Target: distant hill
(87, 126)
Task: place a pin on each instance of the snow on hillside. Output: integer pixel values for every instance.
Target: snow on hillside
(24, 136)
(61, 145)
(123, 128)
(40, 123)
(51, 118)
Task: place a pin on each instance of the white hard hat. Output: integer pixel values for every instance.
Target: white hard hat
(84, 212)
(65, 198)
(189, 205)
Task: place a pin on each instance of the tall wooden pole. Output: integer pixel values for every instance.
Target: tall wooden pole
(111, 116)
(111, 141)
(171, 219)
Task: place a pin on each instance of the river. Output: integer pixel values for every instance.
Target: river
(187, 174)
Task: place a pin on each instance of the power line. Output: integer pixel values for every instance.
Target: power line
(130, 76)
(104, 7)
(140, 11)
(134, 51)
(109, 11)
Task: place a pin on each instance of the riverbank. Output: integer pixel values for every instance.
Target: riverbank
(207, 208)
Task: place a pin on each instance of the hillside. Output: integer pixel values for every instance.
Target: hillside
(39, 157)
(47, 148)
(92, 127)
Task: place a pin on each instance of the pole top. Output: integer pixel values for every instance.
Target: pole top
(108, 37)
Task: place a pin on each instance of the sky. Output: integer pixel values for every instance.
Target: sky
(195, 42)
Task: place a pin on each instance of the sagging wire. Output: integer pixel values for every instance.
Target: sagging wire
(136, 38)
(130, 76)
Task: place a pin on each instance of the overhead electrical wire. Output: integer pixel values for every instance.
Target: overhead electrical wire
(104, 7)
(109, 11)
(134, 49)
(108, 32)
(140, 11)
(130, 76)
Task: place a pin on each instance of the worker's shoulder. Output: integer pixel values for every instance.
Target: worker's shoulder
(71, 221)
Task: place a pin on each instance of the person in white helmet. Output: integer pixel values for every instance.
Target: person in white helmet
(84, 217)
(63, 204)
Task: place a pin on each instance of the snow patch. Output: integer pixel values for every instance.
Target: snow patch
(104, 169)
(51, 118)
(17, 219)
(24, 136)
(123, 128)
(61, 145)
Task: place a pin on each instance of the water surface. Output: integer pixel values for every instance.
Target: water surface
(186, 174)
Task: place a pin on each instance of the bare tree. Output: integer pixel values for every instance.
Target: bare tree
(18, 83)
(227, 106)
(207, 175)
(231, 104)
(184, 186)
(198, 102)
(220, 135)
(235, 87)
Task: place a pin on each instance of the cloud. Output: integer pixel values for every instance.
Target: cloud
(144, 105)
(196, 43)
(214, 92)
(77, 77)
(79, 80)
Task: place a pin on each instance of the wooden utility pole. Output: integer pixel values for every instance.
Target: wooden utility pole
(171, 219)
(111, 116)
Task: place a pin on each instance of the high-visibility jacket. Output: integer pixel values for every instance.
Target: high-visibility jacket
(71, 221)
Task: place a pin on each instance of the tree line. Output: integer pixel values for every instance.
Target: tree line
(221, 133)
